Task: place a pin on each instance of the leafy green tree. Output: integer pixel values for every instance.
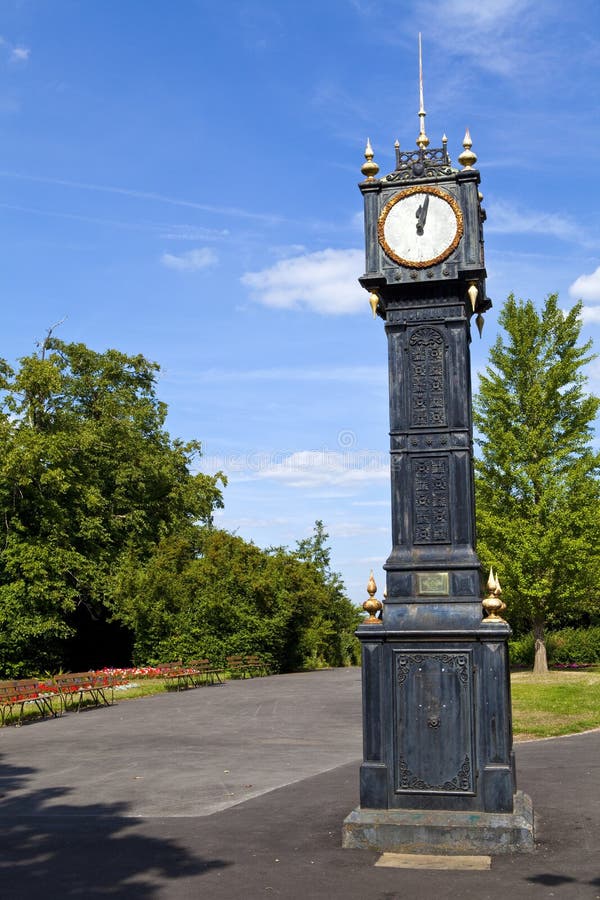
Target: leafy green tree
(88, 476)
(339, 617)
(214, 594)
(537, 478)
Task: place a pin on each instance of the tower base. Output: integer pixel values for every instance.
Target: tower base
(440, 831)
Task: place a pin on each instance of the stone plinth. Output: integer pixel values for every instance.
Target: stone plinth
(441, 831)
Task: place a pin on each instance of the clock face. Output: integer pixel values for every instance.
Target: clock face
(420, 227)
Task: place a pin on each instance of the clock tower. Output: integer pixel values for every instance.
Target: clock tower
(438, 771)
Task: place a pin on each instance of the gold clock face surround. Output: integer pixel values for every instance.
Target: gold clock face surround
(450, 212)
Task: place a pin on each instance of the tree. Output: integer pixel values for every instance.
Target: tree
(338, 618)
(88, 476)
(537, 479)
(217, 594)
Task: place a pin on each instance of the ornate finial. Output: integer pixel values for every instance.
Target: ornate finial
(369, 168)
(492, 603)
(422, 140)
(498, 593)
(396, 144)
(374, 302)
(473, 292)
(445, 150)
(372, 605)
(467, 158)
(479, 321)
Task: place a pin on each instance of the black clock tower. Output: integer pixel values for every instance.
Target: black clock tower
(438, 773)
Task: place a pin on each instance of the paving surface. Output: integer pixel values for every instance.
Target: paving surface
(190, 753)
(240, 791)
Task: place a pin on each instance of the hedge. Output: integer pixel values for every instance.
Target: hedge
(564, 647)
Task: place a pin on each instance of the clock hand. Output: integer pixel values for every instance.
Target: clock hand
(421, 214)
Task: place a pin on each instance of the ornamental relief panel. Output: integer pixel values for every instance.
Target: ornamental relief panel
(431, 500)
(427, 379)
(434, 721)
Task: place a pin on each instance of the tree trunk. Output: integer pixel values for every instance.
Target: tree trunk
(540, 660)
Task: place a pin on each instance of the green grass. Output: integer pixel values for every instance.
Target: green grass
(555, 704)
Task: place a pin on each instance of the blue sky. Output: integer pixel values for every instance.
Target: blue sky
(179, 179)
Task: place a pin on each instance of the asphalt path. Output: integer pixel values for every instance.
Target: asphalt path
(193, 752)
(240, 791)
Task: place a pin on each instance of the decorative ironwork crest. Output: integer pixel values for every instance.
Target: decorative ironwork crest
(412, 164)
(459, 662)
(408, 781)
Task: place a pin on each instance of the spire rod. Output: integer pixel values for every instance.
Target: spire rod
(422, 140)
(421, 105)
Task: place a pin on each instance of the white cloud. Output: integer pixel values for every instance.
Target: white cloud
(503, 218)
(593, 373)
(357, 222)
(233, 524)
(348, 529)
(315, 468)
(20, 54)
(500, 36)
(324, 282)
(15, 53)
(265, 218)
(590, 315)
(194, 233)
(587, 287)
(482, 17)
(304, 469)
(191, 260)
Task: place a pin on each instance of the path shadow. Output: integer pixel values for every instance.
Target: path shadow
(52, 850)
(549, 879)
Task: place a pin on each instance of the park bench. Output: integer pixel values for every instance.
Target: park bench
(246, 666)
(256, 665)
(193, 673)
(237, 665)
(18, 693)
(74, 686)
(204, 671)
(177, 673)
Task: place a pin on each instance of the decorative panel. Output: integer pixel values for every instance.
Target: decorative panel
(431, 500)
(434, 722)
(427, 378)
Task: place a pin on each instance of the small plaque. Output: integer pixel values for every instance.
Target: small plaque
(433, 584)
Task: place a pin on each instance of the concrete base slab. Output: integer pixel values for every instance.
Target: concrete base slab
(429, 861)
(441, 831)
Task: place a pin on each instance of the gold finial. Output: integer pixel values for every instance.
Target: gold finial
(372, 605)
(467, 158)
(492, 603)
(369, 168)
(374, 302)
(422, 140)
(473, 293)
(498, 593)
